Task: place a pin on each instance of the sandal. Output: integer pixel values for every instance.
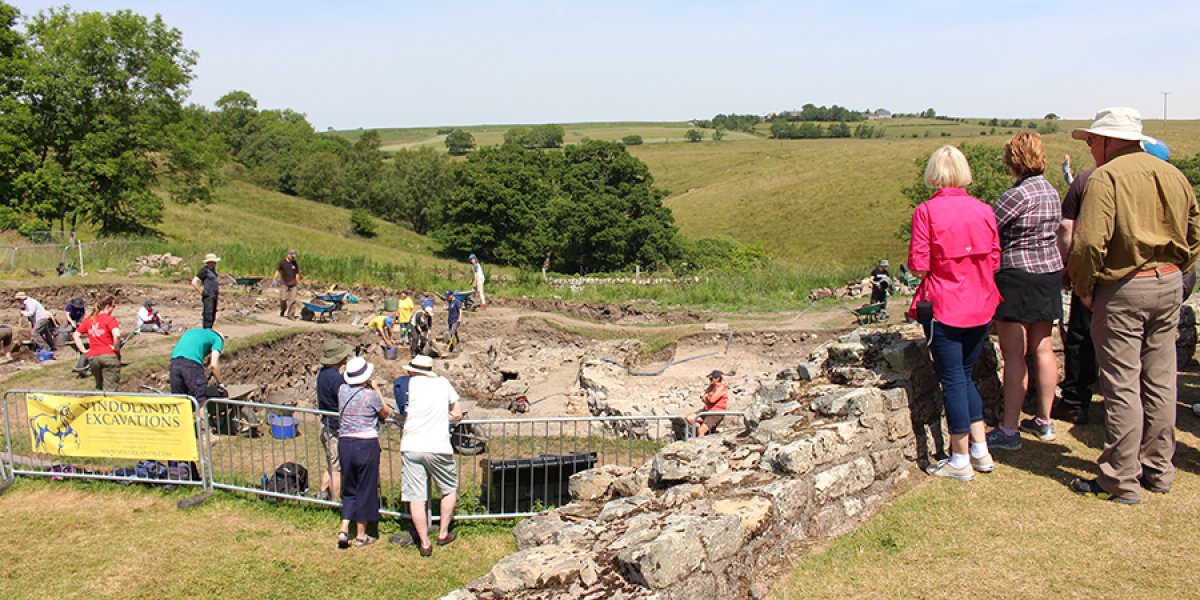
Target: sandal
(365, 541)
(450, 537)
(426, 552)
(343, 540)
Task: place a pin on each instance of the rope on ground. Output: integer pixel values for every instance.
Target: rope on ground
(728, 341)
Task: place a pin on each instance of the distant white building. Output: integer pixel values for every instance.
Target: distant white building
(881, 113)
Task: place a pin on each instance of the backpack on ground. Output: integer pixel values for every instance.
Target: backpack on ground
(290, 478)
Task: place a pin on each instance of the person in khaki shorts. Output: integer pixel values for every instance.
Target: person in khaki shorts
(329, 380)
(289, 272)
(426, 450)
(1139, 227)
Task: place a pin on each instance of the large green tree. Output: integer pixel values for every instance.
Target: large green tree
(594, 206)
(98, 100)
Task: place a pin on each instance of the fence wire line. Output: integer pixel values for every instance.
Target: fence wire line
(507, 468)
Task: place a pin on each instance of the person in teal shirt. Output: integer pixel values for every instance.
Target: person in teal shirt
(194, 348)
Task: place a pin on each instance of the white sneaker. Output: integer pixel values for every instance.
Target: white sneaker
(943, 468)
(983, 464)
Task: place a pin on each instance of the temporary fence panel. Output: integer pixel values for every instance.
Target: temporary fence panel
(517, 467)
(123, 437)
(249, 441)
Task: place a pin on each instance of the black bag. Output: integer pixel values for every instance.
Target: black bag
(290, 478)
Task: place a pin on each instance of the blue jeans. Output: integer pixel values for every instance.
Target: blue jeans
(955, 351)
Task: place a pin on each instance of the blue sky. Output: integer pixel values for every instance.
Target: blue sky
(399, 64)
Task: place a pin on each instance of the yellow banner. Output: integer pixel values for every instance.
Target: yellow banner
(139, 427)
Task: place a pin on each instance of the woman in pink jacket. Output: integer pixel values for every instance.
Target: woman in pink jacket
(955, 250)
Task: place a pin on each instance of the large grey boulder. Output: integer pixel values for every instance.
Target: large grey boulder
(693, 461)
(595, 485)
(801, 456)
(538, 529)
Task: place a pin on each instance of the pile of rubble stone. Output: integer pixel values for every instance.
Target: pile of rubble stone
(154, 264)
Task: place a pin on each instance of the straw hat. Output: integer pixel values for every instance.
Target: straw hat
(1118, 123)
(358, 371)
(420, 364)
(20, 296)
(210, 257)
(335, 352)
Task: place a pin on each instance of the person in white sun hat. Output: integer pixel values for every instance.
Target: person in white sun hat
(206, 284)
(1138, 228)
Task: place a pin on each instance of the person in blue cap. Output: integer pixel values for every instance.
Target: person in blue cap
(454, 308)
(477, 279)
(382, 325)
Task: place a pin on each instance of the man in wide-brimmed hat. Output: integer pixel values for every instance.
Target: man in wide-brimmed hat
(41, 323)
(206, 283)
(329, 379)
(426, 450)
(1137, 229)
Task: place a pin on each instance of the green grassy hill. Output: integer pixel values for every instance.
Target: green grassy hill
(832, 202)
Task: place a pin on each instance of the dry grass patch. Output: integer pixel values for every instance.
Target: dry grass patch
(102, 540)
(1020, 532)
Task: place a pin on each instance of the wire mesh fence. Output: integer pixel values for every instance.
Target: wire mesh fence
(507, 468)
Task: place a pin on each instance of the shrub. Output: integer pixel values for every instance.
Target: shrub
(361, 223)
(9, 218)
(632, 140)
(31, 226)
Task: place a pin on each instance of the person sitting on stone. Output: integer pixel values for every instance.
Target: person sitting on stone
(149, 320)
(715, 399)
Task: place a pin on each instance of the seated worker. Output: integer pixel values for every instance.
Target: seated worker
(404, 313)
(195, 348)
(382, 325)
(76, 309)
(881, 283)
(149, 320)
(715, 399)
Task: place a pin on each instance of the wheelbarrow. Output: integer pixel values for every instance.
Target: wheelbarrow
(469, 299)
(320, 313)
(870, 313)
(250, 282)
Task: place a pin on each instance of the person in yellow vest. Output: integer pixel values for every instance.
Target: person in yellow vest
(404, 313)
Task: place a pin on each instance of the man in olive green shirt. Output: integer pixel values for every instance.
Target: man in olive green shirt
(1138, 228)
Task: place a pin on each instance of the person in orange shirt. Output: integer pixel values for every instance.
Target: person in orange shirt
(715, 398)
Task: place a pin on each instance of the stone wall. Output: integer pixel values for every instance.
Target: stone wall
(826, 445)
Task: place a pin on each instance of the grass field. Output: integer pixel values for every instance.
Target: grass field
(823, 203)
(1019, 532)
(574, 133)
(133, 543)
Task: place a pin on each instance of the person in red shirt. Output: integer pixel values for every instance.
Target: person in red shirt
(716, 399)
(103, 351)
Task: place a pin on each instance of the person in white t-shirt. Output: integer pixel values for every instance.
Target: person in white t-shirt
(426, 450)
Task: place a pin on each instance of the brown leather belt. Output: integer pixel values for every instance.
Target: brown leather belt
(1160, 271)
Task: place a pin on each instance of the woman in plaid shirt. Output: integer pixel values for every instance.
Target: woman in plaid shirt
(1030, 281)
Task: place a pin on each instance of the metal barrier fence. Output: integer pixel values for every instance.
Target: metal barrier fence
(21, 456)
(507, 468)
